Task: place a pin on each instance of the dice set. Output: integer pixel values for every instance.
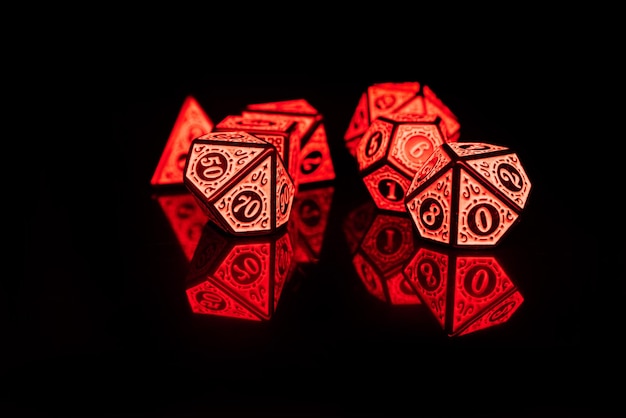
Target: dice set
(246, 170)
(258, 190)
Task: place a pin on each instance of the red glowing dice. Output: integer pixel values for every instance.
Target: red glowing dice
(385, 242)
(464, 292)
(314, 163)
(309, 216)
(239, 277)
(392, 150)
(277, 130)
(240, 182)
(468, 194)
(191, 122)
(382, 99)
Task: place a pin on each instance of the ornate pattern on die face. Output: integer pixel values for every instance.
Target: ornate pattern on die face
(239, 277)
(234, 175)
(285, 194)
(316, 163)
(432, 165)
(387, 187)
(412, 144)
(507, 175)
(430, 207)
(247, 204)
(383, 99)
(465, 293)
(374, 144)
(211, 165)
(480, 282)
(427, 273)
(278, 130)
(487, 189)
(482, 217)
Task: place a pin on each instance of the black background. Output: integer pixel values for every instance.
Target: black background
(99, 325)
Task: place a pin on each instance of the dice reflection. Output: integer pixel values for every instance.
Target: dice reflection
(186, 218)
(309, 218)
(239, 277)
(465, 292)
(381, 242)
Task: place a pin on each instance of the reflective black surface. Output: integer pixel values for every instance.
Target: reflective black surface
(100, 324)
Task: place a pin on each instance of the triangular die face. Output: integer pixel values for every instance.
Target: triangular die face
(431, 167)
(427, 273)
(211, 165)
(480, 282)
(430, 208)
(506, 174)
(316, 163)
(482, 217)
(470, 149)
(360, 120)
(286, 106)
(310, 212)
(285, 194)
(247, 275)
(384, 101)
(498, 314)
(207, 299)
(191, 122)
(284, 265)
(248, 203)
(186, 218)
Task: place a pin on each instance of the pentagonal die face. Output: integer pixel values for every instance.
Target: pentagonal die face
(391, 152)
(468, 194)
(240, 182)
(378, 260)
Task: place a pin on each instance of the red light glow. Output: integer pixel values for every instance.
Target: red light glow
(310, 218)
(240, 182)
(382, 243)
(392, 150)
(315, 164)
(277, 130)
(191, 122)
(239, 277)
(383, 99)
(468, 194)
(186, 218)
(464, 292)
